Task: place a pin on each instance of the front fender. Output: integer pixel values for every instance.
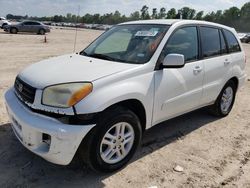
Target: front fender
(139, 87)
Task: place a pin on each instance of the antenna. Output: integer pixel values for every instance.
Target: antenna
(76, 27)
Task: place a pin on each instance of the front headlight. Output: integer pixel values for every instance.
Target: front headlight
(65, 95)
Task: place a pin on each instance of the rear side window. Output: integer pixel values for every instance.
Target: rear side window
(233, 44)
(184, 41)
(31, 23)
(210, 41)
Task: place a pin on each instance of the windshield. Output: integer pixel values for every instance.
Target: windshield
(127, 43)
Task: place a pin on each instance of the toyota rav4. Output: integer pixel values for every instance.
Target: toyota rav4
(137, 74)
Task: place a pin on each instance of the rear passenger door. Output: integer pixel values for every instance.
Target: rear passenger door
(217, 62)
(35, 27)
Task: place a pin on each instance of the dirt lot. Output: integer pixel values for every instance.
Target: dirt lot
(213, 152)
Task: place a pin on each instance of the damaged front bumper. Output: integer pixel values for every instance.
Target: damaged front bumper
(45, 136)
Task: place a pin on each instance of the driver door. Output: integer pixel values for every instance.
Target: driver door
(179, 90)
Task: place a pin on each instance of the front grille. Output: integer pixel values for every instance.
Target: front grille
(24, 91)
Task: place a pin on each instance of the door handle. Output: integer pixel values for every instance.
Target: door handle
(197, 69)
(226, 62)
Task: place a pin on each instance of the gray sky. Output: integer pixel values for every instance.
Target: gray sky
(62, 7)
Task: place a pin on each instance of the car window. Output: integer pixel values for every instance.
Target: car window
(184, 41)
(233, 44)
(118, 41)
(223, 43)
(128, 43)
(31, 23)
(210, 41)
(26, 23)
(35, 23)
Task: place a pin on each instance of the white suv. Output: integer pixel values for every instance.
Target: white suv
(134, 76)
(3, 22)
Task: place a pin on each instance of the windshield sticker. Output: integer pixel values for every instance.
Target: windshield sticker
(140, 55)
(154, 30)
(146, 33)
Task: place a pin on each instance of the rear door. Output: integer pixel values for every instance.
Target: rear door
(217, 62)
(35, 27)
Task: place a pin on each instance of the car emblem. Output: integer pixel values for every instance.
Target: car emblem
(20, 87)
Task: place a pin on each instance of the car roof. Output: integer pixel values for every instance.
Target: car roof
(31, 21)
(174, 21)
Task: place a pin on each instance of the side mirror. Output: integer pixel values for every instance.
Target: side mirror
(173, 61)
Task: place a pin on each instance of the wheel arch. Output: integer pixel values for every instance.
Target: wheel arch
(136, 107)
(235, 80)
(14, 28)
(41, 29)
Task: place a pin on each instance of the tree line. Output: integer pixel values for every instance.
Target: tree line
(238, 18)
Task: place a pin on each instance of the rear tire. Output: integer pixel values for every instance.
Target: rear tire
(41, 32)
(224, 103)
(104, 150)
(13, 30)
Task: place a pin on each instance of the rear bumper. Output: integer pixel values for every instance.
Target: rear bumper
(31, 129)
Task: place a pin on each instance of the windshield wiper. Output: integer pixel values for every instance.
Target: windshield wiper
(102, 56)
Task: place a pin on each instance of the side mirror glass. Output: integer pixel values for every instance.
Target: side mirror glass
(173, 61)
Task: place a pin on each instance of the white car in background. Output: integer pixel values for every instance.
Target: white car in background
(132, 77)
(4, 22)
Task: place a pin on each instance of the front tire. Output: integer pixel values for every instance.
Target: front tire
(113, 142)
(224, 103)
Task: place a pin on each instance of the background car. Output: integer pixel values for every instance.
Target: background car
(244, 37)
(3, 22)
(28, 26)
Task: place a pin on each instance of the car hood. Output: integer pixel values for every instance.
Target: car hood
(70, 68)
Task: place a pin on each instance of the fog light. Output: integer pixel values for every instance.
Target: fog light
(47, 139)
